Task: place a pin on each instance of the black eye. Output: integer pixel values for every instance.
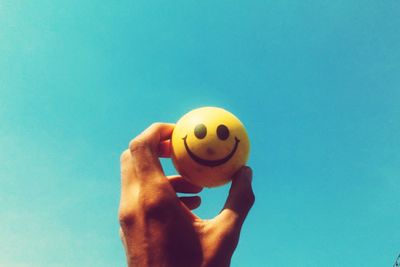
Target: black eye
(200, 131)
(222, 132)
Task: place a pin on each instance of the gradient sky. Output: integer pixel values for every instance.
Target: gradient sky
(317, 84)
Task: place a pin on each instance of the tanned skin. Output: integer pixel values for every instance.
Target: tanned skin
(158, 227)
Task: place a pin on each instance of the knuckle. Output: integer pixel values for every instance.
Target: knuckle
(252, 198)
(156, 201)
(249, 197)
(125, 155)
(126, 218)
(144, 167)
(137, 145)
(159, 204)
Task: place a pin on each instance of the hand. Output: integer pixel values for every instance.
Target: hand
(157, 227)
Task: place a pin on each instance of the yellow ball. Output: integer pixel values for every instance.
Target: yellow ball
(209, 145)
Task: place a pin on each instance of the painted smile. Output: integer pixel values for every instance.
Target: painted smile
(211, 163)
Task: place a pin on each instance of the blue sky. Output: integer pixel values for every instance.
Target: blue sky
(316, 83)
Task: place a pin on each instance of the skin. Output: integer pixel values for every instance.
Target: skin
(158, 227)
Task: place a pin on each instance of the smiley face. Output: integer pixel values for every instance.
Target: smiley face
(200, 131)
(208, 145)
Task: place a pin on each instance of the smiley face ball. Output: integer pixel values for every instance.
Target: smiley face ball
(209, 145)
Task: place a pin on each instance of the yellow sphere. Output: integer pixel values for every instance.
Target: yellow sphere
(209, 145)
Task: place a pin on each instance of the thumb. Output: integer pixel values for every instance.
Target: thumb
(240, 199)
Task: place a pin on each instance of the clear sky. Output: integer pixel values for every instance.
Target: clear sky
(317, 84)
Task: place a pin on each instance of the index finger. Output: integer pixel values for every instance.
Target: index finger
(145, 149)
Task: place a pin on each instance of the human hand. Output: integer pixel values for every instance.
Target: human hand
(157, 227)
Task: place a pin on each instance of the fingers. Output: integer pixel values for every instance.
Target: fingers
(145, 149)
(192, 202)
(240, 199)
(140, 164)
(164, 149)
(181, 185)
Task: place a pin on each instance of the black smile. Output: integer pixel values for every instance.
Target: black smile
(210, 163)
